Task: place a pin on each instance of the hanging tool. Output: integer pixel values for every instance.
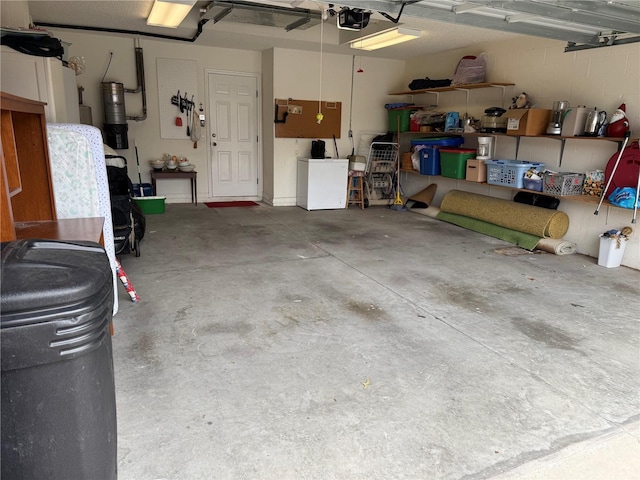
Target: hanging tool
(175, 100)
(615, 166)
(196, 131)
(183, 102)
(188, 119)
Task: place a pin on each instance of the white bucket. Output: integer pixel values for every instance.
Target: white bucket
(610, 254)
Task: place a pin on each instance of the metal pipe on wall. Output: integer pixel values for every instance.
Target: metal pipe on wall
(141, 83)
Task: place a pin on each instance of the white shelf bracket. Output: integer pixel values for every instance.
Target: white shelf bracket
(503, 88)
(466, 91)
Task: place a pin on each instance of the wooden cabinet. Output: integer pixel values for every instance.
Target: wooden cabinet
(28, 193)
(26, 196)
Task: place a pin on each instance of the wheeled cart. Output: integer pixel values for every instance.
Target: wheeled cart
(380, 171)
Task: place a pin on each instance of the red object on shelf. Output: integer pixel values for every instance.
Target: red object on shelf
(626, 175)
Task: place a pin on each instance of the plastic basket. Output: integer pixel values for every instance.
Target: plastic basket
(563, 183)
(509, 173)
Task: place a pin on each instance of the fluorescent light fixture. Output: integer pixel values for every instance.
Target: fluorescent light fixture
(386, 38)
(169, 14)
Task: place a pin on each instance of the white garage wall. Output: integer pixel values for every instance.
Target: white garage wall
(96, 48)
(297, 75)
(602, 77)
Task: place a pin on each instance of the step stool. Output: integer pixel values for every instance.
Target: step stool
(355, 188)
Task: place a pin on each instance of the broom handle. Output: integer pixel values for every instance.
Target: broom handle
(398, 160)
(613, 171)
(635, 204)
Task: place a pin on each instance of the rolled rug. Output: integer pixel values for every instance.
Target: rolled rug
(556, 246)
(521, 239)
(540, 222)
(428, 212)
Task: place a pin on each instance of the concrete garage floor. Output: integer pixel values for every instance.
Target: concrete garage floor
(276, 343)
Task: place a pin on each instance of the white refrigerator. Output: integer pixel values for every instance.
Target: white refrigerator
(322, 183)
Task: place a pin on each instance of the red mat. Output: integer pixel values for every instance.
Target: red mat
(242, 203)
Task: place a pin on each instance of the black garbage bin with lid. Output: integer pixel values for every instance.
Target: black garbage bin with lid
(58, 396)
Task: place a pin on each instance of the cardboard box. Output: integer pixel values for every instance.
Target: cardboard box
(527, 121)
(476, 170)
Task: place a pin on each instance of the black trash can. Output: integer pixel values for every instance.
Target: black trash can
(58, 395)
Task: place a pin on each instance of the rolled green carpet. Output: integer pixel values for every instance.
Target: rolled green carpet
(537, 221)
(521, 239)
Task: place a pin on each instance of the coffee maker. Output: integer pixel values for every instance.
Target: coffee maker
(560, 108)
(485, 148)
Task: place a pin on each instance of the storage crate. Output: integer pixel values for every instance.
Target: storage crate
(429, 149)
(508, 173)
(430, 161)
(563, 183)
(452, 141)
(404, 114)
(150, 205)
(453, 162)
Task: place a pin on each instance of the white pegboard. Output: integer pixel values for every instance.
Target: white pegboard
(173, 75)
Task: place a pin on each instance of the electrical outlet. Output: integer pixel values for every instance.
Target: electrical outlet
(294, 109)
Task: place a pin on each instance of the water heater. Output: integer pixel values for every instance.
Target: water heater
(115, 119)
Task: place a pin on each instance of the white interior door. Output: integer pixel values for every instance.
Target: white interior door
(234, 135)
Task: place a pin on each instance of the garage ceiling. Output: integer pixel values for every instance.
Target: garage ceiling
(579, 22)
(446, 24)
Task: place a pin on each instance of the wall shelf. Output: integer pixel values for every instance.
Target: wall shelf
(457, 88)
(453, 88)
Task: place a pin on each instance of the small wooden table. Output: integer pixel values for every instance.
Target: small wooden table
(163, 175)
(64, 229)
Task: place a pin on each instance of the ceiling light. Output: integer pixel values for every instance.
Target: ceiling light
(169, 14)
(386, 38)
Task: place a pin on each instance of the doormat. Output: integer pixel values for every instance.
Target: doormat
(242, 203)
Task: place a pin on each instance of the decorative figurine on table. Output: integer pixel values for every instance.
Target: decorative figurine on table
(619, 123)
(521, 101)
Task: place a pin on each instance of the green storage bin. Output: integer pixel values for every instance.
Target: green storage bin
(150, 205)
(404, 114)
(453, 162)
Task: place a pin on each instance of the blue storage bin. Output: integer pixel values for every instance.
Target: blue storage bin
(455, 141)
(430, 152)
(430, 161)
(142, 190)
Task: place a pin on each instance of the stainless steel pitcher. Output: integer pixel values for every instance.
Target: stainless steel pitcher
(595, 119)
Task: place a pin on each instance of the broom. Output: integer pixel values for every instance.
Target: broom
(398, 204)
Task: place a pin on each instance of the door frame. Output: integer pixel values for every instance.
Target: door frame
(258, 78)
